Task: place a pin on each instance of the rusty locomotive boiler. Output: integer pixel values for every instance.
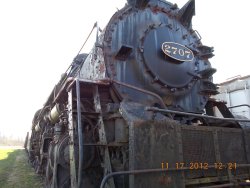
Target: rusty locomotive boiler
(137, 110)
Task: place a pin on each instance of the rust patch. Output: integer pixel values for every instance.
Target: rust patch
(102, 68)
(165, 180)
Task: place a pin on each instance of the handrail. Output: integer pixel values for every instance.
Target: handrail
(195, 115)
(236, 106)
(107, 177)
(138, 89)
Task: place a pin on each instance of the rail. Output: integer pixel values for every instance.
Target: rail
(106, 178)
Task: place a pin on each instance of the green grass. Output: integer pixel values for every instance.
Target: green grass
(15, 172)
(4, 153)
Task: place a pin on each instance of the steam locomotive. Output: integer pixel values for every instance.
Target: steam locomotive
(138, 112)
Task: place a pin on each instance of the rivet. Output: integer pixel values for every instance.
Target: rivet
(156, 78)
(151, 26)
(184, 36)
(173, 89)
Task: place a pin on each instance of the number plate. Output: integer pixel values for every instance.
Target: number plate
(177, 51)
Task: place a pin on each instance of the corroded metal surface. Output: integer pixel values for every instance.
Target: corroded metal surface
(102, 136)
(153, 143)
(102, 123)
(72, 159)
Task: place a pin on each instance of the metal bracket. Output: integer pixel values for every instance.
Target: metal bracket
(102, 136)
(71, 141)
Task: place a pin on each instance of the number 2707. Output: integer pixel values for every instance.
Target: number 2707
(176, 51)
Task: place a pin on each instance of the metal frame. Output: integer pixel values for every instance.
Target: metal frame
(104, 141)
(71, 140)
(80, 134)
(102, 135)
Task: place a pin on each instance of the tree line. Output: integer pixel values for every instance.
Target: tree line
(11, 141)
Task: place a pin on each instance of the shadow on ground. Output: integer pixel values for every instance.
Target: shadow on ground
(15, 172)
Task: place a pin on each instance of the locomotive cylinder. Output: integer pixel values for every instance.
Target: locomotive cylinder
(55, 114)
(37, 127)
